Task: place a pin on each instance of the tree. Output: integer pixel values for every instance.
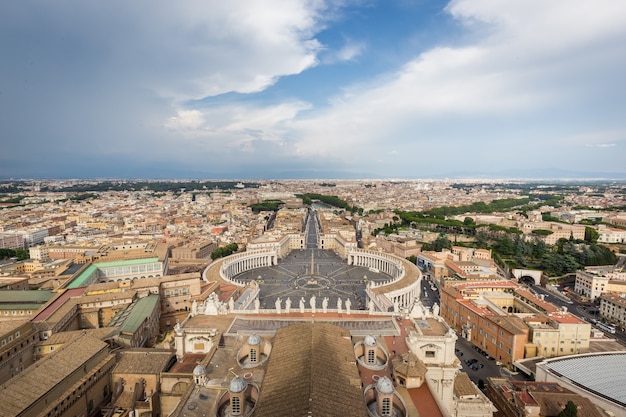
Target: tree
(570, 410)
(591, 235)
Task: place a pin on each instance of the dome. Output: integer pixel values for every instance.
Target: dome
(237, 384)
(369, 341)
(199, 370)
(384, 385)
(254, 340)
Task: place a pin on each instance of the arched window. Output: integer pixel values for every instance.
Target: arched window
(253, 357)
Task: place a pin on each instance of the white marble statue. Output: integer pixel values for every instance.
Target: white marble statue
(371, 306)
(257, 304)
(312, 303)
(277, 304)
(325, 304)
(288, 305)
(435, 309)
(301, 304)
(339, 305)
(194, 307)
(231, 304)
(396, 306)
(211, 305)
(348, 305)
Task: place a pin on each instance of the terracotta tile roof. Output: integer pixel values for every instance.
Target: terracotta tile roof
(37, 380)
(409, 365)
(143, 361)
(463, 386)
(312, 371)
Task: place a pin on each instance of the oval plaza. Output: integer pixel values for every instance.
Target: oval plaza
(317, 272)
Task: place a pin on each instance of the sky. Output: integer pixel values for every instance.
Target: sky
(271, 89)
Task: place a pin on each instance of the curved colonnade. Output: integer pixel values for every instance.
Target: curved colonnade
(241, 262)
(400, 291)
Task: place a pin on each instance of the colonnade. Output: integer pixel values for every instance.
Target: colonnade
(406, 296)
(246, 261)
(372, 259)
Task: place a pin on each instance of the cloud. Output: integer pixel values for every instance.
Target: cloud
(350, 51)
(186, 120)
(526, 80)
(114, 77)
(601, 145)
(531, 72)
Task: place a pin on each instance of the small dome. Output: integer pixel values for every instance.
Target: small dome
(369, 341)
(237, 384)
(384, 385)
(199, 370)
(254, 340)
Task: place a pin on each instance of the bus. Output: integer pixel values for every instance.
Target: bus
(606, 327)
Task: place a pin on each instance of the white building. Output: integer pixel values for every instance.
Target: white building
(611, 234)
(593, 282)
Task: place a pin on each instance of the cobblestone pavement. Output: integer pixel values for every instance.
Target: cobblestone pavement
(330, 277)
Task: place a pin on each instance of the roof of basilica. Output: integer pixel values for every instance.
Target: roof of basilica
(312, 371)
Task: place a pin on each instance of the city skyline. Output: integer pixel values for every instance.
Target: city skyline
(313, 89)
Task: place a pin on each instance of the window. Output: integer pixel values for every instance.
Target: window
(17, 335)
(430, 353)
(386, 407)
(253, 357)
(371, 356)
(235, 405)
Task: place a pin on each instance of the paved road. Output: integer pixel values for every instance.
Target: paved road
(428, 296)
(466, 351)
(576, 308)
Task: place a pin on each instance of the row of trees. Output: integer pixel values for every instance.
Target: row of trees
(14, 253)
(512, 249)
(266, 205)
(331, 200)
(224, 251)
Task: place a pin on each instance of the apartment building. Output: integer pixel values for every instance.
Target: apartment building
(509, 323)
(196, 250)
(613, 308)
(557, 334)
(593, 282)
(611, 234)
